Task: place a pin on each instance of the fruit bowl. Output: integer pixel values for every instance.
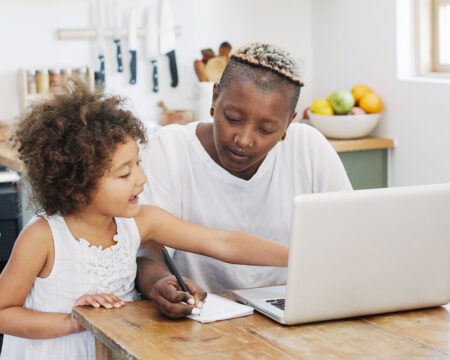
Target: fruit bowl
(344, 126)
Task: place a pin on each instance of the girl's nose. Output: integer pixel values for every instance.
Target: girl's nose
(141, 177)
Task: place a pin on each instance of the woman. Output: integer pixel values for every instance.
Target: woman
(240, 172)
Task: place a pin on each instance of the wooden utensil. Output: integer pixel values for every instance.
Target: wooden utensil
(181, 117)
(215, 67)
(224, 49)
(199, 67)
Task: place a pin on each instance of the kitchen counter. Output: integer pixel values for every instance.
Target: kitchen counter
(8, 157)
(363, 144)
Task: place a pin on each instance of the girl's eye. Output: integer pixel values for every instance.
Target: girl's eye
(125, 176)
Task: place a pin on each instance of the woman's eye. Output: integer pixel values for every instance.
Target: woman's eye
(265, 131)
(231, 120)
(125, 176)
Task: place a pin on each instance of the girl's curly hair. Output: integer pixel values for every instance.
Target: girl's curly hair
(67, 144)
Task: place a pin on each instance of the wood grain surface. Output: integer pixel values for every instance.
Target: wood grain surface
(367, 143)
(138, 331)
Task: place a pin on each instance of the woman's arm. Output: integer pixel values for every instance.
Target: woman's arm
(28, 259)
(229, 246)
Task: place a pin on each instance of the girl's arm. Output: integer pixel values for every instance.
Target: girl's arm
(29, 258)
(229, 246)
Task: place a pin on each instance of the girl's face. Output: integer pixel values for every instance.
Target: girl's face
(248, 123)
(118, 190)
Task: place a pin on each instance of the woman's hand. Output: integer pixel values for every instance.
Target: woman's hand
(168, 298)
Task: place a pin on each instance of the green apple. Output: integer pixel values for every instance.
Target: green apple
(342, 101)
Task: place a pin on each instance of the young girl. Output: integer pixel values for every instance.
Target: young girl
(81, 155)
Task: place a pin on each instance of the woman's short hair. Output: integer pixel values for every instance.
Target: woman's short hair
(67, 144)
(268, 66)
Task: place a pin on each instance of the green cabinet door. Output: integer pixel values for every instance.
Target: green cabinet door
(366, 169)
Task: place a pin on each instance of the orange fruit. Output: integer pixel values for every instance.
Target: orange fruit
(371, 103)
(358, 91)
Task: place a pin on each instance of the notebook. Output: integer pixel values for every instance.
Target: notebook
(218, 308)
(362, 252)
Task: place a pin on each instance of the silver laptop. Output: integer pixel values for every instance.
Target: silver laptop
(362, 252)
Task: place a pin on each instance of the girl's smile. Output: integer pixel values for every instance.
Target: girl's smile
(118, 190)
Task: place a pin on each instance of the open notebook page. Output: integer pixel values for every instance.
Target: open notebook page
(218, 308)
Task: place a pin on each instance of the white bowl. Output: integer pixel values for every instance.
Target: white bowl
(344, 126)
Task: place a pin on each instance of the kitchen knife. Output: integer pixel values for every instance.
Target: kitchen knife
(167, 39)
(132, 46)
(151, 43)
(116, 37)
(99, 76)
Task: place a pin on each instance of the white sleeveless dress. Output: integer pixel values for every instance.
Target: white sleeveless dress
(78, 269)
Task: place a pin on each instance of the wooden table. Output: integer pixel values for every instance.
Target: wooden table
(138, 331)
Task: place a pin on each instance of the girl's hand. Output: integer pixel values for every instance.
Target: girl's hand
(108, 301)
(96, 300)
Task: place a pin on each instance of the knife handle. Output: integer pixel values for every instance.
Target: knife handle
(118, 55)
(99, 76)
(133, 67)
(155, 75)
(173, 68)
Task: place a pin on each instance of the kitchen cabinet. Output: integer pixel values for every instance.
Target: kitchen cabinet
(365, 160)
(9, 215)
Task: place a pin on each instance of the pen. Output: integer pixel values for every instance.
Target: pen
(170, 264)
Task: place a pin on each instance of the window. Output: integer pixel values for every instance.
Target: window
(441, 35)
(433, 36)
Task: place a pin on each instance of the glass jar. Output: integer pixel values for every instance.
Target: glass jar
(54, 79)
(42, 81)
(31, 82)
(65, 74)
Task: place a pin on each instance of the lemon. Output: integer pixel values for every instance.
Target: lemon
(359, 90)
(371, 103)
(322, 107)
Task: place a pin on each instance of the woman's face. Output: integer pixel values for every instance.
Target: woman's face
(248, 123)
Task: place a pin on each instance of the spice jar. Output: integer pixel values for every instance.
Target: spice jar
(42, 81)
(31, 82)
(65, 74)
(82, 74)
(54, 79)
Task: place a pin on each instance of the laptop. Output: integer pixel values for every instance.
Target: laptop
(362, 252)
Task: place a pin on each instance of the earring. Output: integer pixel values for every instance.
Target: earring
(211, 111)
(283, 137)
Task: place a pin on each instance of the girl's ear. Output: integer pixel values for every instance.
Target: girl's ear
(215, 93)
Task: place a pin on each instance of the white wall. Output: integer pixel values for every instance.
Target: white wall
(29, 27)
(340, 42)
(354, 41)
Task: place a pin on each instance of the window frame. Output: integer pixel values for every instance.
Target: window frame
(427, 39)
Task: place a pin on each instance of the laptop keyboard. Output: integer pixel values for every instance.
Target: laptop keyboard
(279, 303)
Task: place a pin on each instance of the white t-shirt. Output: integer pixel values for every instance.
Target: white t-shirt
(183, 179)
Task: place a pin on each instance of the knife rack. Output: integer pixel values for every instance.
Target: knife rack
(91, 33)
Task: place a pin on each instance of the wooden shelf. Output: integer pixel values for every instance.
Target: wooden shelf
(367, 143)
